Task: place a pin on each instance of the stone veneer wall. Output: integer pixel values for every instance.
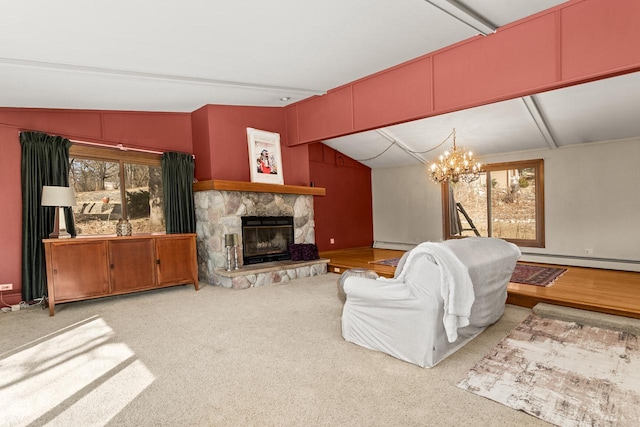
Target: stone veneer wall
(219, 213)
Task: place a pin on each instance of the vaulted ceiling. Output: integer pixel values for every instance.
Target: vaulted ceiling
(179, 56)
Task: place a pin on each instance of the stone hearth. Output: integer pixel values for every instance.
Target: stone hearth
(270, 272)
(219, 213)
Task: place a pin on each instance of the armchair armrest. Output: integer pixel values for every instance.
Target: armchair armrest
(366, 289)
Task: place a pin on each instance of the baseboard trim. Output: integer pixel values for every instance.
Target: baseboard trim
(393, 245)
(582, 261)
(627, 261)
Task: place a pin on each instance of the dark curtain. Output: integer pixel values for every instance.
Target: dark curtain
(177, 182)
(45, 161)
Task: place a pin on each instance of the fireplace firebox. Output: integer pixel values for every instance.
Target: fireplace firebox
(266, 238)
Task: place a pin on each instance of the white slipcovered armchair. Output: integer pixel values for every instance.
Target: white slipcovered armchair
(442, 296)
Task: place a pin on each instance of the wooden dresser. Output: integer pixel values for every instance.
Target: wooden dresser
(93, 267)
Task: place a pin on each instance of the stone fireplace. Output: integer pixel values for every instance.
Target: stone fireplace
(220, 212)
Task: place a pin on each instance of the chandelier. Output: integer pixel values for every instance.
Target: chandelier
(455, 165)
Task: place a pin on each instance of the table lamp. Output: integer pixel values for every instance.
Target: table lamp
(59, 197)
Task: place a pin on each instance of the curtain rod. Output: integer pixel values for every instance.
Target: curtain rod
(97, 144)
(120, 147)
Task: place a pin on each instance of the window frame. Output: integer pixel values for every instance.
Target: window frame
(538, 165)
(115, 155)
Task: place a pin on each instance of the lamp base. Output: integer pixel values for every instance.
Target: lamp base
(59, 231)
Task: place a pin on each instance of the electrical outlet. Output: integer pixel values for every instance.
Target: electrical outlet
(588, 251)
(332, 241)
(6, 286)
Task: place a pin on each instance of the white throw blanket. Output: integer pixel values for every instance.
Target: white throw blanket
(456, 287)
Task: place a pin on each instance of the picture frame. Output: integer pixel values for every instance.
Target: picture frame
(265, 158)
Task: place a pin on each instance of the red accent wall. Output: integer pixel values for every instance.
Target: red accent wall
(295, 161)
(201, 148)
(291, 121)
(10, 214)
(154, 131)
(150, 130)
(159, 131)
(345, 213)
(220, 140)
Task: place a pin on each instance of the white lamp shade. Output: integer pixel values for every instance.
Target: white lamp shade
(58, 196)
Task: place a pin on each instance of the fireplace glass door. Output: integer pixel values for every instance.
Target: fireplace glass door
(266, 239)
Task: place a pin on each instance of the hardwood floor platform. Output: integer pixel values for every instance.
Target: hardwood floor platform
(344, 259)
(606, 291)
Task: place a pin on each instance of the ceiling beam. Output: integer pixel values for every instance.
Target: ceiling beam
(538, 117)
(82, 69)
(465, 14)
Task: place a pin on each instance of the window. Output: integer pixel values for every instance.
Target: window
(103, 178)
(506, 202)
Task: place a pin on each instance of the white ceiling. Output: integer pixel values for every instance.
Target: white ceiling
(178, 56)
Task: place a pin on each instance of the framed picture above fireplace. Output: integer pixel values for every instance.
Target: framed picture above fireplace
(265, 160)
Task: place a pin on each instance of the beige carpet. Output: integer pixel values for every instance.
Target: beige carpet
(218, 357)
(566, 373)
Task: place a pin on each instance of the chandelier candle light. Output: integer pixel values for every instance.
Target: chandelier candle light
(455, 165)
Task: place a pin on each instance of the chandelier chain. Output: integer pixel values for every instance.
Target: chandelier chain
(394, 142)
(377, 155)
(437, 146)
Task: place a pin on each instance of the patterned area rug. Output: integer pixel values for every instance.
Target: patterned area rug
(535, 275)
(391, 261)
(564, 373)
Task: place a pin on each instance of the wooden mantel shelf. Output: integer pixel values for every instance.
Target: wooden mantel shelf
(257, 187)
